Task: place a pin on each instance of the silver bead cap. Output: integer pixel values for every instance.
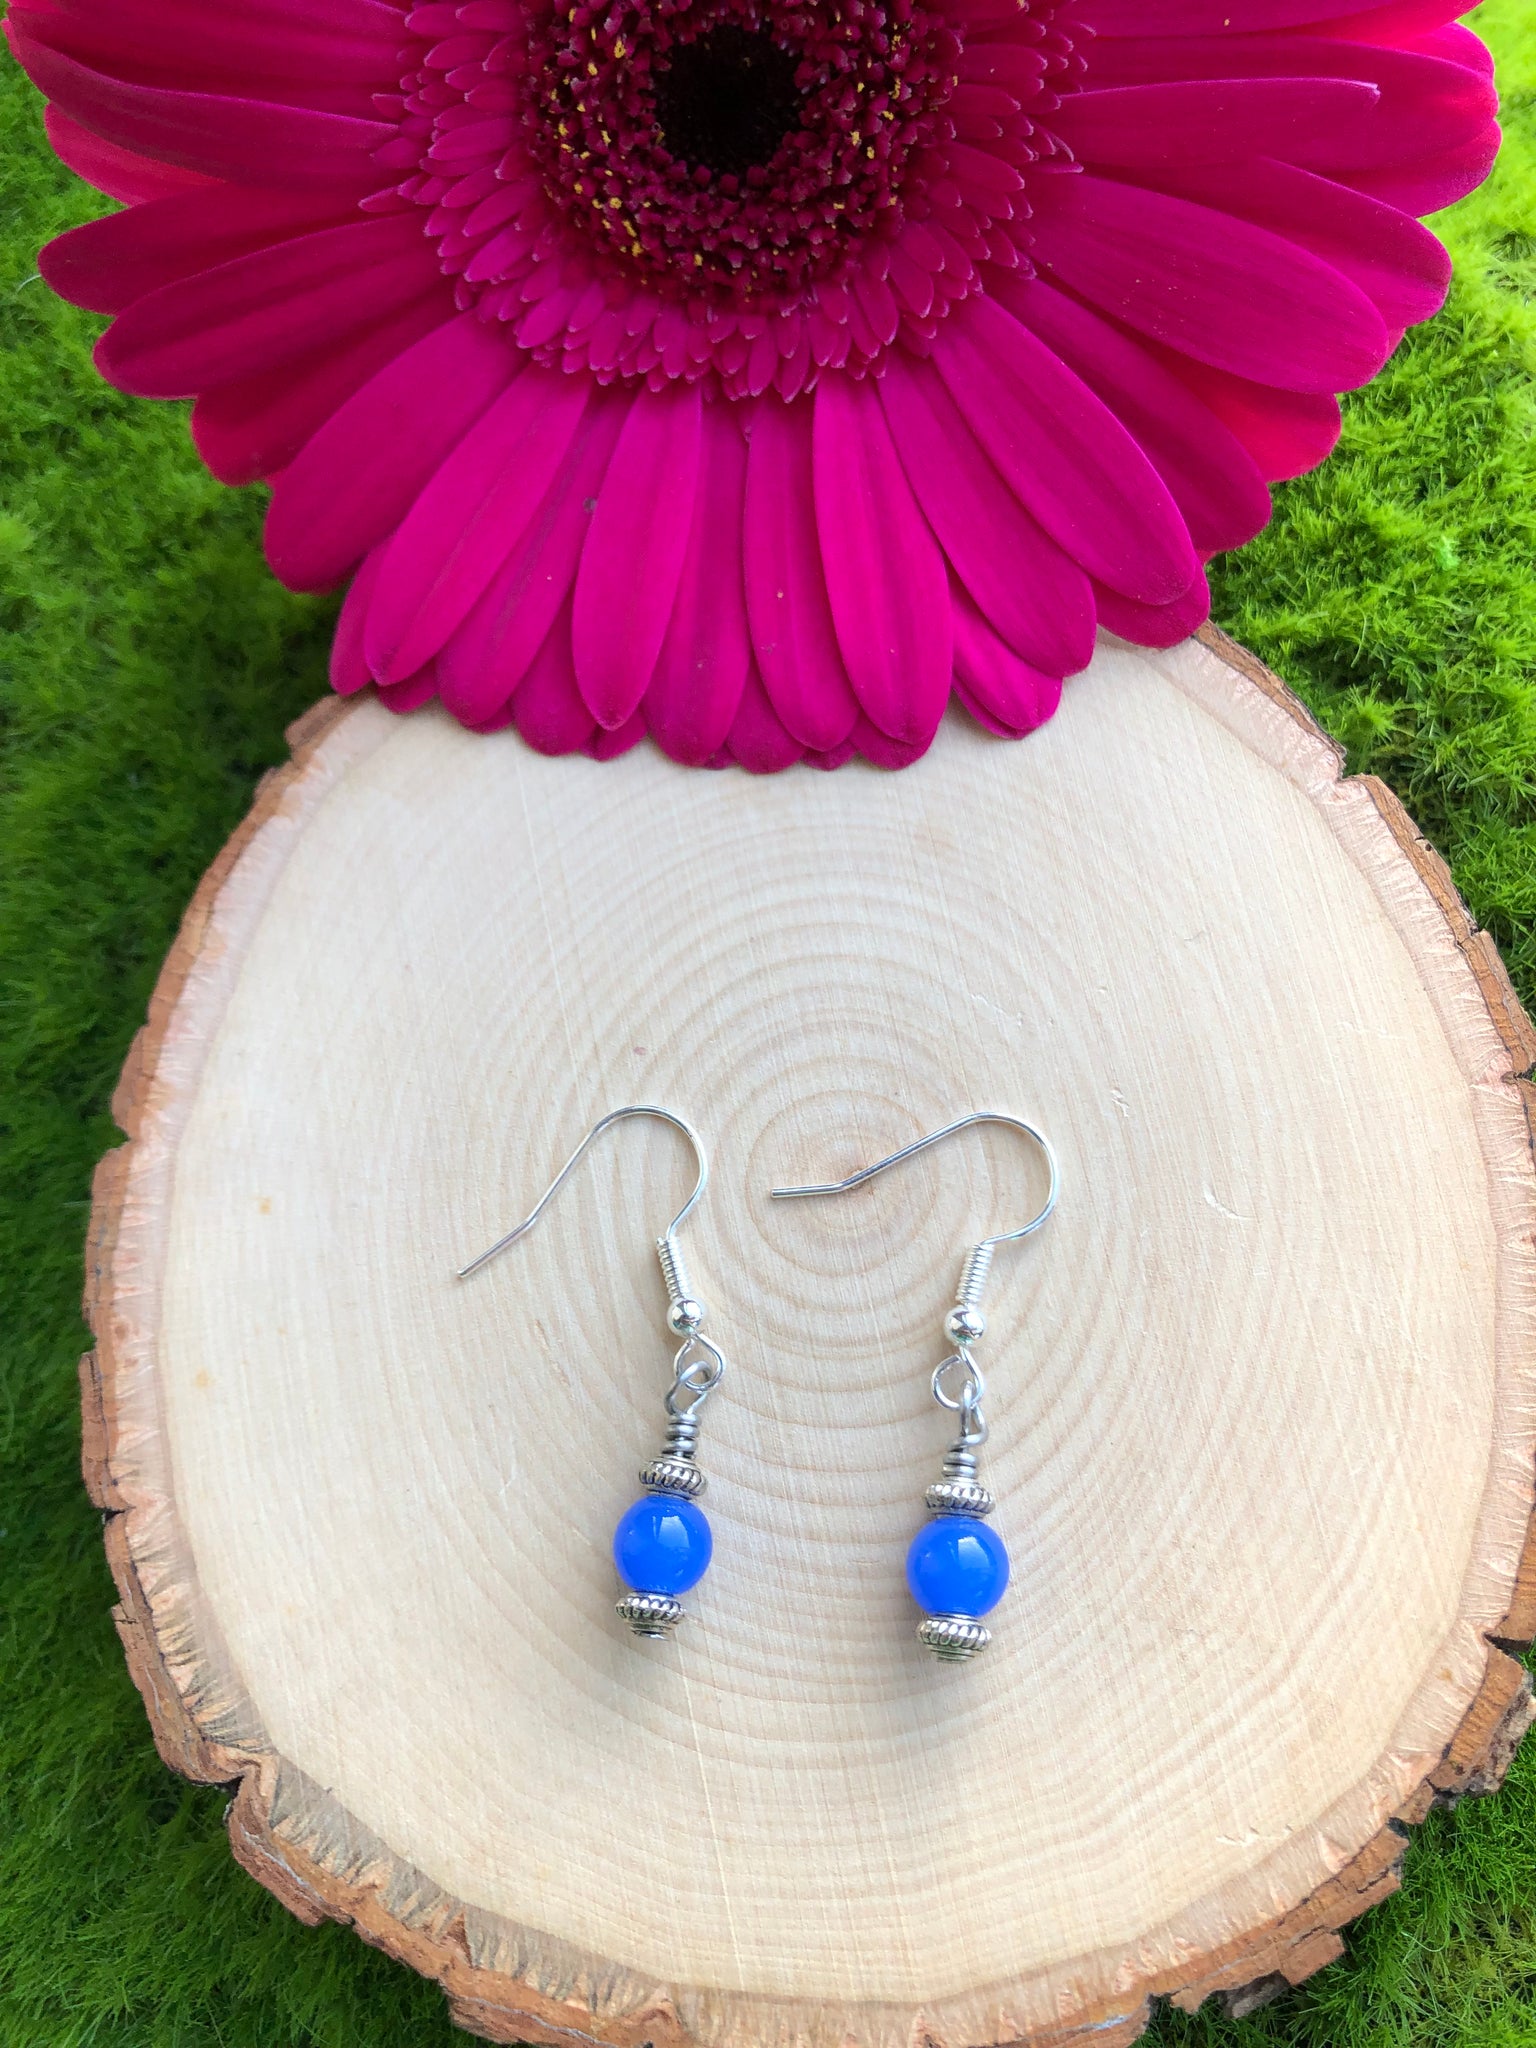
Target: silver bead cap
(650, 1614)
(959, 1497)
(673, 1475)
(952, 1637)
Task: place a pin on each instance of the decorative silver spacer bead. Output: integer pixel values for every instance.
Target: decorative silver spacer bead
(673, 1475)
(965, 1325)
(685, 1316)
(650, 1614)
(959, 1497)
(952, 1637)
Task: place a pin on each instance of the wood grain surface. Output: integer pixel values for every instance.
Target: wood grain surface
(1263, 1393)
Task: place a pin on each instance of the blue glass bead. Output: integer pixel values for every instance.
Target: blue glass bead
(662, 1545)
(957, 1565)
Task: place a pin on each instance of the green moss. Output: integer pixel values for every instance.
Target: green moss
(148, 665)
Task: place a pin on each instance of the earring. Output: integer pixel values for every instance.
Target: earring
(662, 1545)
(957, 1566)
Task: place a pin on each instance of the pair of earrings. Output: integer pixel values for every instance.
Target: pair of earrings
(957, 1565)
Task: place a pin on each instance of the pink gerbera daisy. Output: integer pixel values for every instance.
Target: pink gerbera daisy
(754, 372)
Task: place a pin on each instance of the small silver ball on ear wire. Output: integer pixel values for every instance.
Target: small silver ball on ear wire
(685, 1316)
(965, 1325)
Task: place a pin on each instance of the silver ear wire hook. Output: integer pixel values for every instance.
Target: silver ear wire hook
(978, 1260)
(648, 1556)
(957, 1576)
(667, 1251)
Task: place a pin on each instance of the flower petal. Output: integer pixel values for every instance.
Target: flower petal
(469, 519)
(410, 693)
(1212, 477)
(360, 475)
(548, 708)
(1068, 460)
(255, 427)
(881, 751)
(604, 745)
(1286, 432)
(1399, 265)
(885, 574)
(792, 632)
(255, 312)
(1208, 120)
(250, 142)
(634, 552)
(1014, 696)
(1031, 592)
(117, 172)
(1215, 287)
(1426, 105)
(484, 661)
(349, 669)
(1155, 625)
(376, 23)
(1453, 41)
(109, 263)
(984, 718)
(1145, 18)
(1400, 21)
(1433, 182)
(829, 759)
(702, 668)
(758, 740)
(331, 57)
(498, 721)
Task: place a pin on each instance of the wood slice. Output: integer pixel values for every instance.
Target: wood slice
(1263, 1394)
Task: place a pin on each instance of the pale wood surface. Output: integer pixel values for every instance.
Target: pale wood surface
(1263, 1394)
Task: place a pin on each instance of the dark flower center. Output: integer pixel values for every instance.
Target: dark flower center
(733, 150)
(727, 100)
(749, 192)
